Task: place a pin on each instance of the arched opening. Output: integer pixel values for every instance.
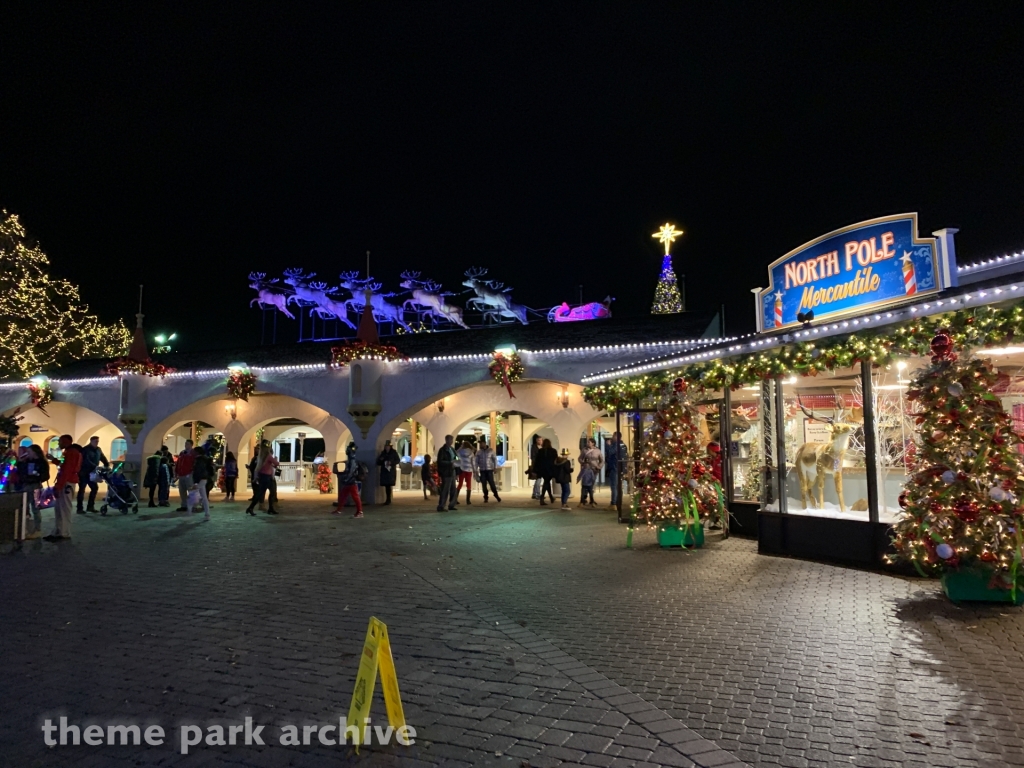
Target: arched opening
(300, 434)
(61, 418)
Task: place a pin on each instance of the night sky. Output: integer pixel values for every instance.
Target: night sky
(183, 146)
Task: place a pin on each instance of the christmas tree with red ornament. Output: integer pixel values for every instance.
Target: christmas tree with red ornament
(963, 500)
(676, 480)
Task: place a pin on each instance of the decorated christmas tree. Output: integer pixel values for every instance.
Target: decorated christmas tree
(960, 505)
(44, 321)
(667, 299)
(676, 481)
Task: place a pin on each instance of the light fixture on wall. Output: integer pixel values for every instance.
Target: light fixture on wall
(562, 396)
(231, 411)
(440, 405)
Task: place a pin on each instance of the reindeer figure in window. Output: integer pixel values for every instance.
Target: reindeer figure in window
(492, 297)
(265, 296)
(815, 460)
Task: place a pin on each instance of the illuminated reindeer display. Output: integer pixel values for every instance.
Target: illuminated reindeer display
(318, 294)
(492, 297)
(427, 294)
(266, 297)
(815, 460)
(382, 310)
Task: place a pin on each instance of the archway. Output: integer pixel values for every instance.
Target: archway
(240, 424)
(62, 418)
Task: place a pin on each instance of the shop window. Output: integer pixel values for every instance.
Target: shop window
(823, 446)
(118, 449)
(745, 444)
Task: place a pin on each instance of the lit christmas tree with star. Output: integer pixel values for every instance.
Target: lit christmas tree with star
(667, 299)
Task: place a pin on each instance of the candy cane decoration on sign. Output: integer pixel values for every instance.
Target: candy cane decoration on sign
(778, 309)
(909, 276)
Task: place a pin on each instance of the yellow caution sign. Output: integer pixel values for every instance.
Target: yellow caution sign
(376, 654)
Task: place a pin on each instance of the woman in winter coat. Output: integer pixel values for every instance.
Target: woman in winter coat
(230, 476)
(563, 476)
(544, 466)
(388, 463)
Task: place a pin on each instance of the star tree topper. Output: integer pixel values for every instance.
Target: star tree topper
(667, 235)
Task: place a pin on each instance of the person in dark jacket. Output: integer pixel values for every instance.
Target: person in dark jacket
(447, 468)
(427, 472)
(202, 469)
(563, 476)
(152, 477)
(544, 466)
(92, 457)
(388, 463)
(164, 474)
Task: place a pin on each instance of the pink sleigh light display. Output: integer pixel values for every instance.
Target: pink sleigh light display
(592, 311)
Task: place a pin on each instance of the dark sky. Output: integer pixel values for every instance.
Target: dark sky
(182, 146)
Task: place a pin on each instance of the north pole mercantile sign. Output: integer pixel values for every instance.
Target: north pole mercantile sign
(860, 268)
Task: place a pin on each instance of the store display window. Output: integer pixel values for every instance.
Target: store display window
(745, 444)
(823, 446)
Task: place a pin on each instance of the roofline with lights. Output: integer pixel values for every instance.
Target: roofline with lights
(965, 296)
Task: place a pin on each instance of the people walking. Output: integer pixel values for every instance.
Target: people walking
(163, 480)
(614, 458)
(230, 476)
(33, 470)
(427, 472)
(586, 479)
(64, 487)
(534, 475)
(447, 467)
(563, 476)
(151, 480)
(348, 481)
(486, 463)
(266, 480)
(92, 457)
(592, 457)
(388, 464)
(544, 466)
(202, 469)
(183, 472)
(466, 467)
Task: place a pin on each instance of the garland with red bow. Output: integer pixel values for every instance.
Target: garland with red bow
(148, 367)
(360, 350)
(241, 384)
(41, 395)
(505, 369)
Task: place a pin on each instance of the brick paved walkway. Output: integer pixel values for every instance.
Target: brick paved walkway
(523, 637)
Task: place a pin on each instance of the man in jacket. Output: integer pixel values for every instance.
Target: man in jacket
(64, 488)
(486, 463)
(447, 465)
(183, 469)
(614, 456)
(92, 457)
(466, 466)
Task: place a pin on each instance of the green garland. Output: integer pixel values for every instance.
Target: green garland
(968, 328)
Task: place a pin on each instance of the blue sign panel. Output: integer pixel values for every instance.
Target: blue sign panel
(857, 269)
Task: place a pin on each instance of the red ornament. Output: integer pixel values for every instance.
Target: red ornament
(903, 501)
(679, 385)
(966, 509)
(942, 347)
(988, 557)
(935, 506)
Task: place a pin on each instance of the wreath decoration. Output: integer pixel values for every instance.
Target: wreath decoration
(505, 369)
(147, 367)
(41, 395)
(360, 350)
(241, 384)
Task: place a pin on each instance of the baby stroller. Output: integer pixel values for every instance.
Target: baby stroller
(120, 491)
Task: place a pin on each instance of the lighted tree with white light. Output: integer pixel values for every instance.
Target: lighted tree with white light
(43, 321)
(667, 299)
